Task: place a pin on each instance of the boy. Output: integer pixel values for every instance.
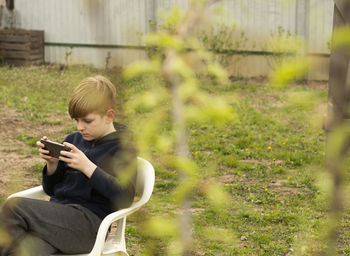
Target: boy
(85, 184)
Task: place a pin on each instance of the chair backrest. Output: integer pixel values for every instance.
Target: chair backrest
(144, 181)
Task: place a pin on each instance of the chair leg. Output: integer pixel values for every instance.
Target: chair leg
(117, 237)
(120, 232)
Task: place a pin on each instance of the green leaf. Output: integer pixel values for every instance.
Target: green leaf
(185, 188)
(219, 235)
(288, 71)
(337, 140)
(140, 68)
(209, 109)
(218, 72)
(217, 197)
(184, 165)
(341, 37)
(165, 40)
(161, 228)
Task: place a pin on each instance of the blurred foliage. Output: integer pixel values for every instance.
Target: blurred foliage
(290, 69)
(288, 59)
(341, 37)
(224, 40)
(173, 100)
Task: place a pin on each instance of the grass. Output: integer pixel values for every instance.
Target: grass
(270, 163)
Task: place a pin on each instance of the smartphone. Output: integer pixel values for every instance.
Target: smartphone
(54, 148)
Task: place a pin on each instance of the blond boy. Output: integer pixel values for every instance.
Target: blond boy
(85, 184)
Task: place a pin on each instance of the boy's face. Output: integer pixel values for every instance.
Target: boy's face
(94, 126)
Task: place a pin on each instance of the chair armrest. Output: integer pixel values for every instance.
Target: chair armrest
(34, 193)
(112, 217)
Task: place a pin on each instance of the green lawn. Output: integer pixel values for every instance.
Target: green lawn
(270, 163)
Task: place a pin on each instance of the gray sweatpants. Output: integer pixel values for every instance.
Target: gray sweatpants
(41, 228)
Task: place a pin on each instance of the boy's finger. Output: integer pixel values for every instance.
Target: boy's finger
(40, 144)
(74, 148)
(44, 138)
(44, 151)
(46, 157)
(64, 159)
(67, 154)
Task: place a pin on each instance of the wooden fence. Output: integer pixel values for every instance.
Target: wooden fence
(108, 32)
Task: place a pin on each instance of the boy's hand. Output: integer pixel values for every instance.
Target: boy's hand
(51, 162)
(76, 159)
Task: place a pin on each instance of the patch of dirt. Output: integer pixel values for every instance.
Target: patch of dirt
(318, 85)
(279, 188)
(257, 80)
(263, 162)
(231, 179)
(16, 157)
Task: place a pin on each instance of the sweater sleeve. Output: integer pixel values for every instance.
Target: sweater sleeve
(49, 181)
(120, 192)
(116, 179)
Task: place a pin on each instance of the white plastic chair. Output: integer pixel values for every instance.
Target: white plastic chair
(115, 243)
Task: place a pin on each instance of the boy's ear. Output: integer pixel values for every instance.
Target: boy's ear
(110, 115)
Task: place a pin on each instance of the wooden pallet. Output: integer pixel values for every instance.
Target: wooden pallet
(22, 47)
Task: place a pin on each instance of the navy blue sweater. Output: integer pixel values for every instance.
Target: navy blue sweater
(111, 186)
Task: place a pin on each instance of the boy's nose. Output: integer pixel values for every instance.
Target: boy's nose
(80, 126)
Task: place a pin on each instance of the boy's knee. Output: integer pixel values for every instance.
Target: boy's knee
(9, 203)
(32, 245)
(10, 206)
(12, 202)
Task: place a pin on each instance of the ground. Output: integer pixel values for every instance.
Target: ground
(16, 156)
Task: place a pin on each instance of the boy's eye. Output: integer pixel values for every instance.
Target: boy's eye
(87, 121)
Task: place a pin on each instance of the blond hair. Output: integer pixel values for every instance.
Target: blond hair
(93, 94)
